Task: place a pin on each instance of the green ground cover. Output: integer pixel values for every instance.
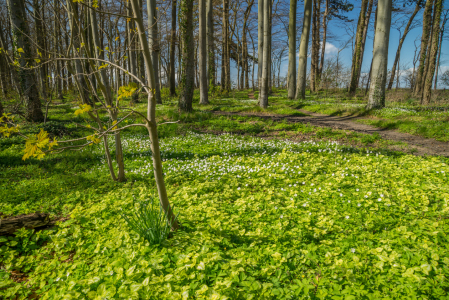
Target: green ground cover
(426, 121)
(261, 219)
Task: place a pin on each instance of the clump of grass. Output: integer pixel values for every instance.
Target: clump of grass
(149, 222)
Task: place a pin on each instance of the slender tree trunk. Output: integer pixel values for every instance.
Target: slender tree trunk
(380, 55)
(260, 19)
(323, 46)
(427, 28)
(401, 42)
(151, 116)
(21, 34)
(40, 42)
(210, 42)
(357, 58)
(187, 81)
(438, 7)
(204, 87)
(315, 45)
(172, 81)
(292, 50)
(57, 34)
(153, 41)
(439, 50)
(266, 61)
(303, 47)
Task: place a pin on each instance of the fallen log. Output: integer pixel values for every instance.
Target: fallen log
(34, 220)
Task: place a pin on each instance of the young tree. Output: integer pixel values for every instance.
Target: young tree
(380, 55)
(22, 50)
(303, 47)
(204, 87)
(188, 56)
(151, 111)
(401, 41)
(292, 50)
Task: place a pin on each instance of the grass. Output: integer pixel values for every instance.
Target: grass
(261, 218)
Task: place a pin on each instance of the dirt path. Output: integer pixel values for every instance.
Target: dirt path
(421, 145)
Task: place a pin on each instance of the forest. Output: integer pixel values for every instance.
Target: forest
(224, 149)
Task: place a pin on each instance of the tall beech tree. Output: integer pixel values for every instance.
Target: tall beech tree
(266, 65)
(303, 47)
(153, 41)
(380, 55)
(426, 33)
(359, 49)
(204, 86)
(433, 52)
(22, 50)
(292, 50)
(187, 80)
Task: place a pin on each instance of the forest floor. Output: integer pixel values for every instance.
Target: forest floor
(416, 144)
(316, 199)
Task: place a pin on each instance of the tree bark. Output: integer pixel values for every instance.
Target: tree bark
(40, 43)
(153, 41)
(22, 47)
(188, 57)
(292, 50)
(172, 82)
(380, 55)
(426, 30)
(315, 45)
(401, 41)
(260, 19)
(151, 113)
(427, 94)
(204, 87)
(362, 29)
(210, 42)
(323, 46)
(303, 47)
(266, 55)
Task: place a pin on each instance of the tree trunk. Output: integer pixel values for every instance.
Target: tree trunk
(260, 19)
(357, 58)
(188, 57)
(56, 46)
(303, 47)
(292, 50)
(439, 49)
(21, 46)
(427, 94)
(401, 41)
(266, 55)
(315, 45)
(380, 55)
(172, 81)
(210, 42)
(151, 115)
(40, 43)
(204, 87)
(153, 41)
(323, 46)
(426, 30)
(132, 57)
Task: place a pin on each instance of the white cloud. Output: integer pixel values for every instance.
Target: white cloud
(330, 49)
